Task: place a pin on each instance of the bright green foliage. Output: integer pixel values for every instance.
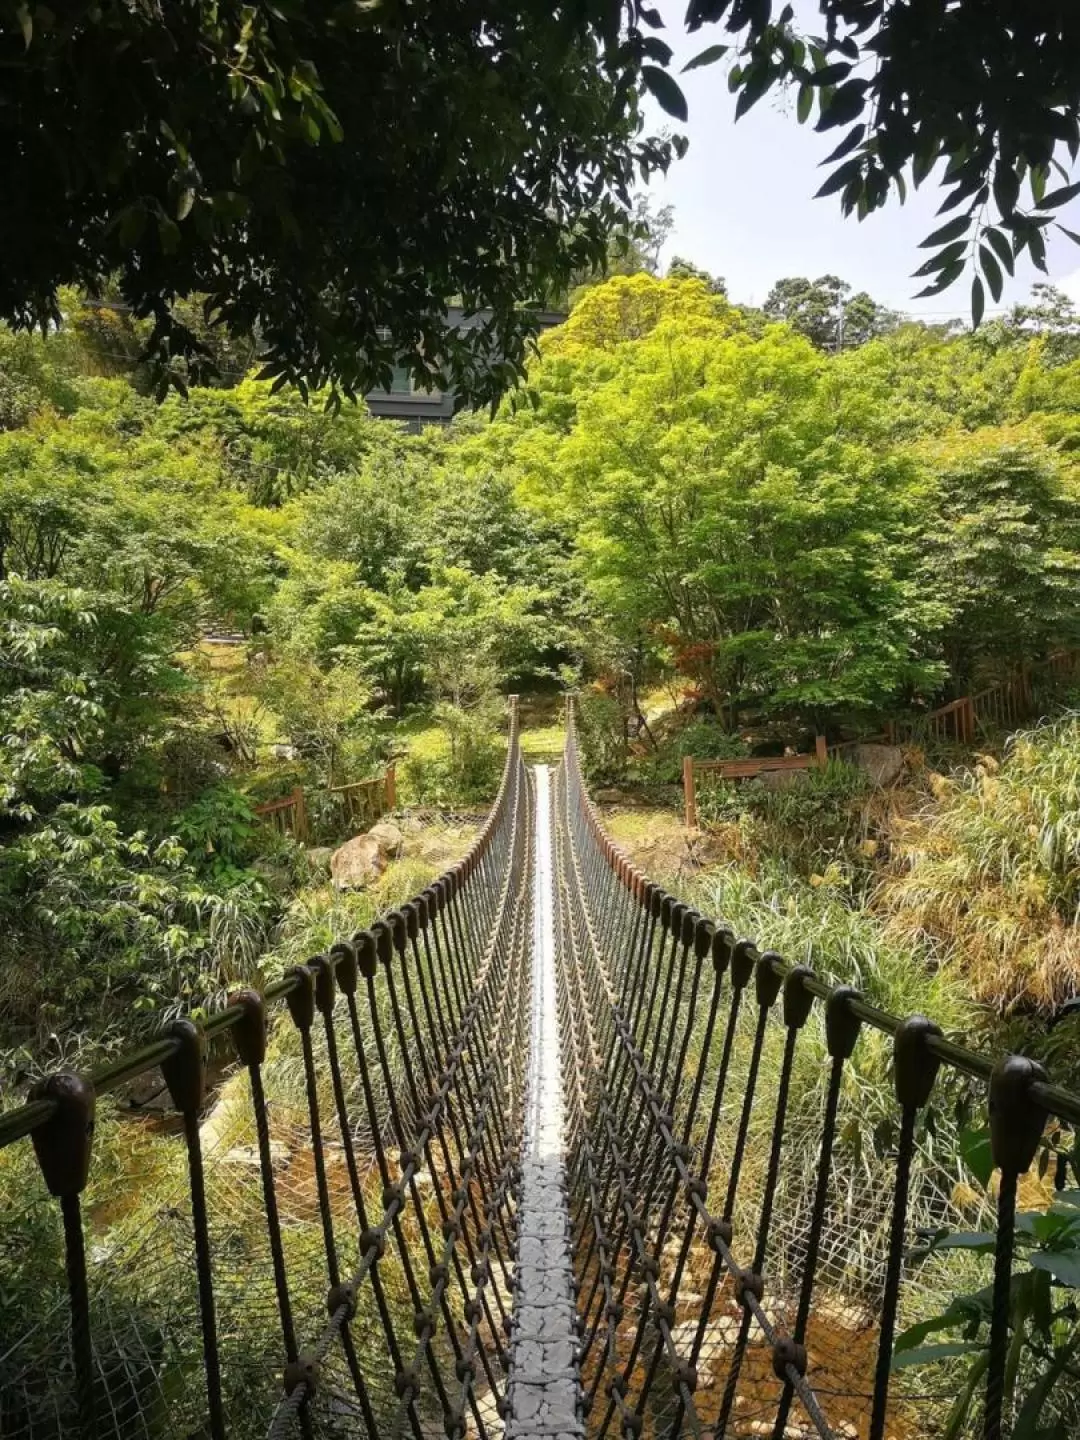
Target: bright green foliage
(1039, 1379)
(718, 510)
(761, 517)
(1004, 553)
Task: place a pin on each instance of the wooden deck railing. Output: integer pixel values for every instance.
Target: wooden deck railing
(742, 769)
(363, 800)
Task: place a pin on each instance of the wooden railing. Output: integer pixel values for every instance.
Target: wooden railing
(366, 800)
(363, 800)
(998, 707)
(743, 769)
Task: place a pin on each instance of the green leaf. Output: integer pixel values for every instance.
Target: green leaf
(978, 301)
(931, 1354)
(26, 24)
(708, 56)
(974, 1144)
(1063, 1265)
(992, 270)
(948, 256)
(850, 140)
(665, 91)
(950, 231)
(804, 104)
(1001, 247)
(1060, 196)
(1073, 236)
(831, 74)
(950, 274)
(184, 203)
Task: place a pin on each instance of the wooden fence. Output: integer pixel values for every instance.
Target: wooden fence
(363, 800)
(998, 707)
(742, 769)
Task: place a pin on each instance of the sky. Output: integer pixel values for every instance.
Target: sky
(744, 203)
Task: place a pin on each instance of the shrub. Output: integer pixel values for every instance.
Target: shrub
(703, 739)
(818, 817)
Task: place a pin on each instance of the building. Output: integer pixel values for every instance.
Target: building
(433, 407)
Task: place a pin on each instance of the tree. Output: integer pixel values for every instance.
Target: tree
(988, 90)
(825, 311)
(325, 177)
(681, 269)
(725, 513)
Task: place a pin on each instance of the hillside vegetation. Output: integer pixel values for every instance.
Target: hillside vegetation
(687, 495)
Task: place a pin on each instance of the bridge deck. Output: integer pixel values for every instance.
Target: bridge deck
(544, 1384)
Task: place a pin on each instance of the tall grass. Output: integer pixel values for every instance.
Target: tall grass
(987, 874)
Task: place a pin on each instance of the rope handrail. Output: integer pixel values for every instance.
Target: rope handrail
(447, 1064)
(654, 948)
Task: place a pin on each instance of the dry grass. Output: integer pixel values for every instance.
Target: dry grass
(988, 872)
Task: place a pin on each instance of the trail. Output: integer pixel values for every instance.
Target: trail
(544, 1385)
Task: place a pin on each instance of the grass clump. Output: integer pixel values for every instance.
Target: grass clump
(987, 874)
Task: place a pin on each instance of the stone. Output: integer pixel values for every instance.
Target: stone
(883, 763)
(318, 858)
(388, 838)
(357, 863)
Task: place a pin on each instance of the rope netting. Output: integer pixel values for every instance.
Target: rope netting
(744, 1250)
(330, 1251)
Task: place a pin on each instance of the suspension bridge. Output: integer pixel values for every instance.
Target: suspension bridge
(543, 1152)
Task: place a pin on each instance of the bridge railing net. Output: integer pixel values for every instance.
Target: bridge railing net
(742, 1269)
(330, 1248)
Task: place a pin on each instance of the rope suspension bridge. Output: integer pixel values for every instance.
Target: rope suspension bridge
(527, 1157)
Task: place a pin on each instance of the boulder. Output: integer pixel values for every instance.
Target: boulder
(883, 763)
(388, 838)
(318, 858)
(357, 863)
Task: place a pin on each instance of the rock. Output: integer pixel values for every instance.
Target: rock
(285, 752)
(883, 763)
(356, 863)
(318, 857)
(388, 838)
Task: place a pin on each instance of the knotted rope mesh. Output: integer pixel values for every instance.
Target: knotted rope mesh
(330, 1252)
(743, 1266)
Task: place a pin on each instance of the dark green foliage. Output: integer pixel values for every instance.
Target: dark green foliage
(826, 312)
(329, 178)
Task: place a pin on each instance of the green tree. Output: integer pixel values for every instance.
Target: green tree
(826, 312)
(680, 269)
(1002, 551)
(721, 512)
(326, 178)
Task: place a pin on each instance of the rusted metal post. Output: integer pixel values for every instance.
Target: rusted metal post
(821, 750)
(689, 792)
(391, 785)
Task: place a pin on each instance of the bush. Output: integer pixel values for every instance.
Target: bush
(703, 739)
(601, 729)
(468, 772)
(818, 817)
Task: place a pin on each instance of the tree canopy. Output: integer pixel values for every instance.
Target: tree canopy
(326, 178)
